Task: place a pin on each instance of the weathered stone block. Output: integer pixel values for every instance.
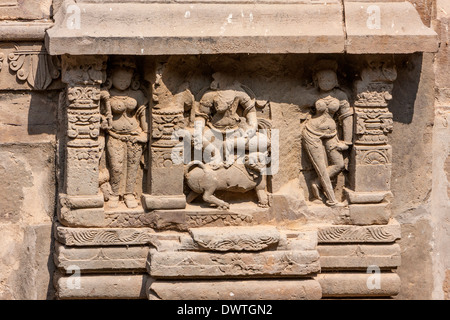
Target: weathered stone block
(82, 202)
(82, 217)
(25, 9)
(183, 220)
(186, 264)
(356, 257)
(366, 197)
(386, 27)
(163, 202)
(359, 284)
(369, 214)
(368, 178)
(236, 238)
(204, 29)
(104, 236)
(100, 259)
(360, 234)
(27, 117)
(235, 290)
(101, 287)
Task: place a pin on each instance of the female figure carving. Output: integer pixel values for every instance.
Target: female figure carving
(125, 120)
(320, 134)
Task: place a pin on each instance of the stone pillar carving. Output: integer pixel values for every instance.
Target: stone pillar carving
(371, 156)
(81, 103)
(166, 178)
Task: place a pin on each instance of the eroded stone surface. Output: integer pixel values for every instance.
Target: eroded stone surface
(235, 290)
(100, 259)
(235, 239)
(357, 234)
(354, 257)
(185, 264)
(102, 287)
(359, 284)
(104, 236)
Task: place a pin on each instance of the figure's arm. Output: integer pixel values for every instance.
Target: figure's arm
(202, 114)
(142, 117)
(249, 113)
(106, 112)
(346, 119)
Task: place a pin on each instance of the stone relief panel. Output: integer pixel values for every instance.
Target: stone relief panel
(235, 153)
(220, 137)
(124, 120)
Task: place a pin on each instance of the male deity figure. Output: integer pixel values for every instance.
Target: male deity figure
(226, 111)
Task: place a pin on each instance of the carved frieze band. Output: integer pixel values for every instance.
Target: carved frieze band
(359, 234)
(105, 237)
(236, 239)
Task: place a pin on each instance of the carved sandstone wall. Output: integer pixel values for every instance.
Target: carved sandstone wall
(30, 89)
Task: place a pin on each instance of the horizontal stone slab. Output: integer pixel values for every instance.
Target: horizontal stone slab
(366, 197)
(369, 214)
(235, 239)
(94, 217)
(203, 28)
(101, 286)
(356, 257)
(23, 31)
(185, 264)
(386, 27)
(163, 202)
(360, 234)
(359, 284)
(297, 240)
(235, 290)
(110, 236)
(183, 220)
(261, 26)
(82, 202)
(289, 240)
(101, 259)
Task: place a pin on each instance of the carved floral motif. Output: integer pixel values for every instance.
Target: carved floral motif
(34, 66)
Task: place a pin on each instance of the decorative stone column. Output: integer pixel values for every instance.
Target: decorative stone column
(166, 178)
(371, 156)
(81, 203)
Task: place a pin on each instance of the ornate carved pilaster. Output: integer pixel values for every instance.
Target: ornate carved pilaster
(371, 157)
(81, 103)
(166, 178)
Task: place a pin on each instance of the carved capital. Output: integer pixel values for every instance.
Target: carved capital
(376, 84)
(83, 70)
(32, 65)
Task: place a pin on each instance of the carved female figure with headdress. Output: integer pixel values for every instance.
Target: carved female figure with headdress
(125, 120)
(320, 135)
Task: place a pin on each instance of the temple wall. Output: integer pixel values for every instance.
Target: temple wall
(31, 148)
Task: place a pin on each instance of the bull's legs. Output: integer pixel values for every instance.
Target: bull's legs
(209, 197)
(263, 200)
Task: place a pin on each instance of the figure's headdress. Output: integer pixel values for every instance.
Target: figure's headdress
(124, 62)
(325, 65)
